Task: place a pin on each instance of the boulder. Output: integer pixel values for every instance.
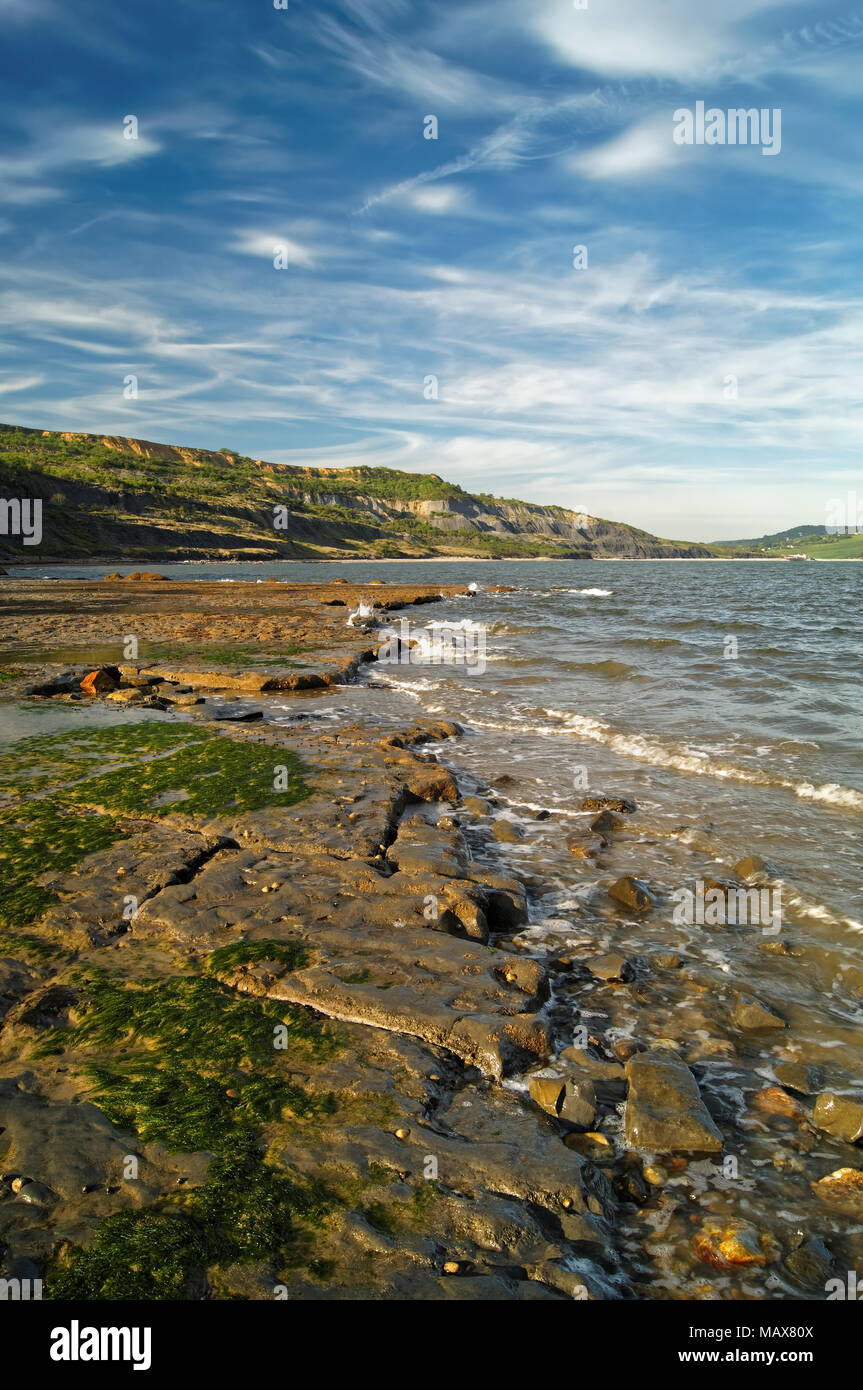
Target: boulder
(605, 824)
(772, 1100)
(796, 1076)
(732, 1244)
(505, 831)
(610, 967)
(839, 1116)
(577, 1104)
(546, 1091)
(751, 1015)
(632, 893)
(101, 681)
(843, 1191)
(664, 1110)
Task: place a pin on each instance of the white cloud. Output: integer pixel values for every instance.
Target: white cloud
(438, 198)
(269, 244)
(637, 153)
(626, 38)
(9, 385)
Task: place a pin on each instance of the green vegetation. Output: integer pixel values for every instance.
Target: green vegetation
(30, 947)
(70, 793)
(245, 1211)
(40, 839)
(816, 542)
(228, 958)
(193, 1067)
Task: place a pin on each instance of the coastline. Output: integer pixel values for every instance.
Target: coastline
(441, 1133)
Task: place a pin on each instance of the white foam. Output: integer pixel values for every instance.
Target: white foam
(363, 610)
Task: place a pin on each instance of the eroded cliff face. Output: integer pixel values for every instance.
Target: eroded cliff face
(112, 496)
(576, 530)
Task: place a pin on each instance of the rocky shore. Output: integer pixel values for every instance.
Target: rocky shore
(273, 1022)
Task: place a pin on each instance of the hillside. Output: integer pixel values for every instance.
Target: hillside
(113, 498)
(814, 541)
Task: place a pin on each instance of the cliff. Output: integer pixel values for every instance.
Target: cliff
(115, 498)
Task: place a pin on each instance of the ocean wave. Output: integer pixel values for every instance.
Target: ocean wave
(679, 759)
(591, 593)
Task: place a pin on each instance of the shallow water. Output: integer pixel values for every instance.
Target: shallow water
(614, 678)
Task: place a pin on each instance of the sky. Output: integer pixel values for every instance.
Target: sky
(223, 225)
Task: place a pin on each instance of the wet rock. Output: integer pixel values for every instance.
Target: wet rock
(609, 1078)
(476, 805)
(839, 1116)
(750, 867)
(34, 1193)
(527, 975)
(422, 848)
(843, 1191)
(664, 1110)
(583, 846)
(811, 1264)
(605, 824)
(796, 1076)
(577, 1104)
(126, 697)
(772, 1100)
(597, 802)
(237, 716)
(433, 783)
(596, 1147)
(101, 681)
(505, 831)
(506, 899)
(632, 893)
(546, 1091)
(666, 960)
(752, 1015)
(610, 967)
(732, 1244)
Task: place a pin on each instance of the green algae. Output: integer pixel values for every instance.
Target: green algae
(135, 1255)
(73, 789)
(195, 1019)
(189, 1112)
(228, 958)
(210, 1082)
(245, 1212)
(42, 838)
(19, 943)
(46, 762)
(220, 775)
(123, 769)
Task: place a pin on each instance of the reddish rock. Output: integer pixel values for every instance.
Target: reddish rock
(772, 1100)
(99, 682)
(733, 1244)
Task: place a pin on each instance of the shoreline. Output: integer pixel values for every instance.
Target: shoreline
(445, 559)
(363, 898)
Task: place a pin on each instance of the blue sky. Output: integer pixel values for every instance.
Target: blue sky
(607, 388)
